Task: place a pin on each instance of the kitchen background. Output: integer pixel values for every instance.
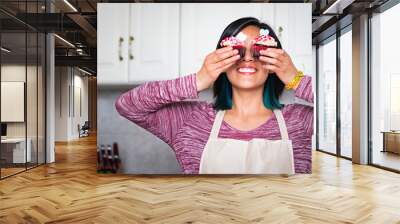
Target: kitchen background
(135, 47)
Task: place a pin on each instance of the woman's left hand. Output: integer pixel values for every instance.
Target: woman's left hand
(279, 62)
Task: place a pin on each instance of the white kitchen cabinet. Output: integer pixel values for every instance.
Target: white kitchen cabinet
(295, 34)
(202, 26)
(282, 21)
(268, 14)
(137, 42)
(153, 42)
(163, 41)
(112, 43)
(302, 28)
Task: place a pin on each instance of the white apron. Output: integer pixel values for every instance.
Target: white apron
(257, 156)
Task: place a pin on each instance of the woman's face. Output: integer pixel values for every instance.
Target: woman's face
(248, 72)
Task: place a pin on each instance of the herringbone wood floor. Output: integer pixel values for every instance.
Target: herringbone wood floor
(70, 191)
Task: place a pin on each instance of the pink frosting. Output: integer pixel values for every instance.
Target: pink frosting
(231, 41)
(265, 40)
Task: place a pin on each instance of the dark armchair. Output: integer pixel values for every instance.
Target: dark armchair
(84, 130)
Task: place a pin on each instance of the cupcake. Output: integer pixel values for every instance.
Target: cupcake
(263, 42)
(235, 43)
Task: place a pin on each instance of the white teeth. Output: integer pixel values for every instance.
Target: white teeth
(247, 70)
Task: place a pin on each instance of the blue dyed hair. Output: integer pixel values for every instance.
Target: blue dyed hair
(273, 86)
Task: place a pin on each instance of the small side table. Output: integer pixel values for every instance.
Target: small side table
(391, 141)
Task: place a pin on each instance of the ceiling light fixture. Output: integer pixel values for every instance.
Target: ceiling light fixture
(337, 7)
(329, 9)
(79, 51)
(5, 50)
(64, 40)
(70, 5)
(84, 71)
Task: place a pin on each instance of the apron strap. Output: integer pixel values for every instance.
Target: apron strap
(217, 124)
(281, 123)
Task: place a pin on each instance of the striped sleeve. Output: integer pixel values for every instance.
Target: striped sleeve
(304, 91)
(159, 106)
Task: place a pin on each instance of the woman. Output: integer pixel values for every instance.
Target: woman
(246, 129)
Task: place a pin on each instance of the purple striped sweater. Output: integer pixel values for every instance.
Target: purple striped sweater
(164, 109)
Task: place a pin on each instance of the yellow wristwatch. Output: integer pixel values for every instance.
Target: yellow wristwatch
(296, 80)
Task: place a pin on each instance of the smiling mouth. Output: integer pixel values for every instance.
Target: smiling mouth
(247, 70)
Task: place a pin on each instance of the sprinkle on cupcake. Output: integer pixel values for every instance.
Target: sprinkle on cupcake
(231, 41)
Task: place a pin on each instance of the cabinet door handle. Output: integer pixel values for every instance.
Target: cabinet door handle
(131, 39)
(121, 39)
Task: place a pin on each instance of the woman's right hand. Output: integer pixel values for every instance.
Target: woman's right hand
(214, 64)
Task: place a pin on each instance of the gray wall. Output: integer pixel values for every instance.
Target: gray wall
(140, 151)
